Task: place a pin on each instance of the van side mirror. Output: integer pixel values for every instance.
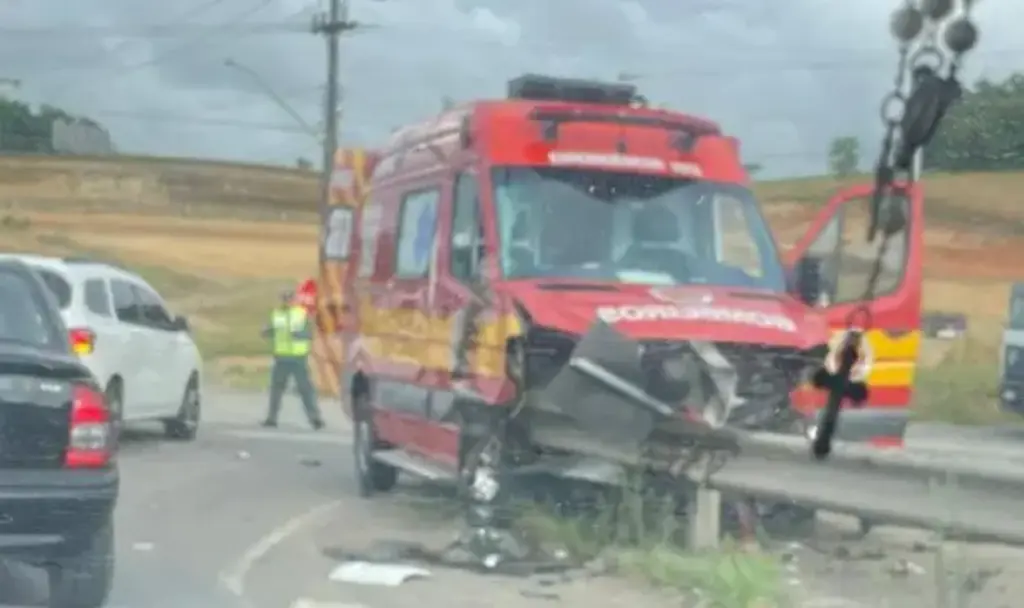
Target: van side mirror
(179, 323)
(807, 281)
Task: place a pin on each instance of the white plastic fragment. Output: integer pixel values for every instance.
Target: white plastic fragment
(369, 573)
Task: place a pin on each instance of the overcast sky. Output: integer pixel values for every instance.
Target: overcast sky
(786, 75)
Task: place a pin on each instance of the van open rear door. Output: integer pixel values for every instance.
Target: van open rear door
(338, 239)
(836, 246)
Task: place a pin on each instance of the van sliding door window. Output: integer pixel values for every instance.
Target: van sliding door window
(369, 231)
(417, 226)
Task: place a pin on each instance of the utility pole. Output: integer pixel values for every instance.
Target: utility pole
(331, 26)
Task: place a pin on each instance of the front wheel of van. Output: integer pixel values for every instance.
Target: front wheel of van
(373, 476)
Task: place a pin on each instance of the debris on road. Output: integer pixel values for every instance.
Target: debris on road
(456, 555)
(905, 567)
(371, 573)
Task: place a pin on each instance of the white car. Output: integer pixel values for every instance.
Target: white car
(119, 326)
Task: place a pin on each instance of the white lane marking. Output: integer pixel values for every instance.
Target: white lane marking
(233, 579)
(293, 436)
(308, 603)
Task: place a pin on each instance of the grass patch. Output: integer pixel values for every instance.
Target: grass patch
(641, 537)
(232, 328)
(724, 579)
(170, 283)
(242, 373)
(962, 389)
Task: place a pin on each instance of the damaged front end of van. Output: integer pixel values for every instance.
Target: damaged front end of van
(662, 383)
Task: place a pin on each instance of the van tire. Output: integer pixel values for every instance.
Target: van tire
(84, 581)
(372, 476)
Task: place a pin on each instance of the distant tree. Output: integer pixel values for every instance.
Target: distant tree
(447, 103)
(304, 163)
(983, 131)
(844, 156)
(27, 130)
(753, 168)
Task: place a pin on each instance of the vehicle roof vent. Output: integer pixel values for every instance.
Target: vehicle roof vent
(547, 88)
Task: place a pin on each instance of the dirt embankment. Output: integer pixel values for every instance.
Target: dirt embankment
(974, 239)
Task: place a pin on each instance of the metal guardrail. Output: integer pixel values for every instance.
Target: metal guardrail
(962, 494)
(972, 497)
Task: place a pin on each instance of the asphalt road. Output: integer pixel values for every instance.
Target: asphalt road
(251, 518)
(190, 514)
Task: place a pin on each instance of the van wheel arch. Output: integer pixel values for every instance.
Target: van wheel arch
(372, 476)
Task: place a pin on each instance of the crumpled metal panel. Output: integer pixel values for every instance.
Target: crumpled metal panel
(602, 388)
(606, 414)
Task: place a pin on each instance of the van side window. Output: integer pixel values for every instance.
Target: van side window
(369, 230)
(467, 233)
(417, 226)
(847, 259)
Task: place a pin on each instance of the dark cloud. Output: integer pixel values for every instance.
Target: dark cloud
(786, 76)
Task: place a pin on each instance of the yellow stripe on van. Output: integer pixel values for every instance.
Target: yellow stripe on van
(895, 357)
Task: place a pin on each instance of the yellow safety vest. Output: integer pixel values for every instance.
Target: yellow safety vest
(286, 324)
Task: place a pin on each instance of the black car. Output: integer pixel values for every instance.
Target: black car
(58, 470)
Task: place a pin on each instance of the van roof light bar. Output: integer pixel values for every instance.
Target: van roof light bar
(560, 115)
(547, 88)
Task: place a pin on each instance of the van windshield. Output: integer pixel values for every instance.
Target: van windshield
(576, 223)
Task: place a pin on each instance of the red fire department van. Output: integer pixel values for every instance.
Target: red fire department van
(496, 235)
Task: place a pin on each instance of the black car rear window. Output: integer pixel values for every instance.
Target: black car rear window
(26, 317)
(60, 288)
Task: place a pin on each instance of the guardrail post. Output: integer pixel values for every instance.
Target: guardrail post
(705, 509)
(706, 518)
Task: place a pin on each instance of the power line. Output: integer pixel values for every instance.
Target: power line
(124, 70)
(169, 118)
(218, 29)
(845, 65)
(166, 30)
(153, 117)
(195, 11)
(306, 93)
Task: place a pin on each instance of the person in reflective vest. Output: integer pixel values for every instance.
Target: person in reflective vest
(292, 338)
